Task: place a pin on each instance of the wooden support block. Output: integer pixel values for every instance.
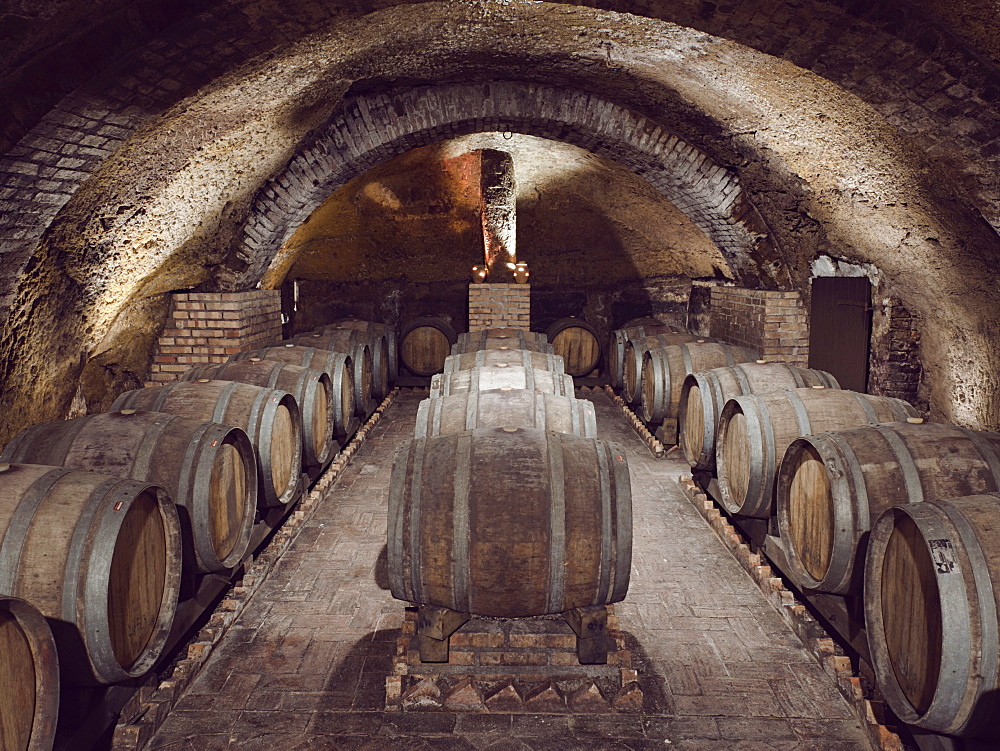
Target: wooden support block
(590, 625)
(435, 625)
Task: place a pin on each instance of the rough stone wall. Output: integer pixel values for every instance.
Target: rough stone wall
(209, 327)
(772, 323)
(894, 357)
(499, 306)
(499, 213)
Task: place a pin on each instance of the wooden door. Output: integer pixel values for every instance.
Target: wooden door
(840, 329)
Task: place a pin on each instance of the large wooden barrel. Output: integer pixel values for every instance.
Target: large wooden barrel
(491, 357)
(349, 343)
(29, 678)
(519, 408)
(424, 344)
(100, 557)
(312, 390)
(755, 430)
(378, 329)
(338, 366)
(635, 352)
(577, 342)
(208, 469)
(502, 338)
(509, 522)
(832, 487)
(501, 376)
(377, 341)
(637, 327)
(704, 394)
(269, 416)
(665, 368)
(932, 583)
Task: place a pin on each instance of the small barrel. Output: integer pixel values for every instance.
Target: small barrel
(338, 366)
(635, 352)
(832, 487)
(377, 341)
(100, 554)
(269, 416)
(704, 394)
(502, 338)
(353, 344)
(29, 678)
(371, 327)
(755, 430)
(424, 344)
(509, 522)
(207, 468)
(637, 327)
(577, 342)
(491, 357)
(932, 594)
(312, 390)
(664, 370)
(519, 408)
(499, 377)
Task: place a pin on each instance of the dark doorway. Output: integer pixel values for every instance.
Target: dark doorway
(840, 329)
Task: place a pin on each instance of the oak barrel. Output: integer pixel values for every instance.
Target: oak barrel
(99, 556)
(509, 522)
(635, 353)
(348, 343)
(29, 678)
(269, 416)
(932, 583)
(207, 468)
(519, 408)
(704, 394)
(501, 376)
(377, 342)
(577, 342)
(665, 368)
(637, 327)
(371, 327)
(832, 487)
(424, 344)
(312, 390)
(491, 357)
(338, 366)
(755, 430)
(501, 338)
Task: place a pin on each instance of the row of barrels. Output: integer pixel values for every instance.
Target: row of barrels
(505, 504)
(108, 520)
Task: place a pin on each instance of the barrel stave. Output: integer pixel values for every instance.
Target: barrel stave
(498, 377)
(509, 407)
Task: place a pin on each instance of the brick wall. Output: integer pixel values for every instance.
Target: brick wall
(772, 323)
(499, 305)
(894, 359)
(208, 327)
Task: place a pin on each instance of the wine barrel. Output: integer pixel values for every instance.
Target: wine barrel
(577, 342)
(704, 394)
(348, 343)
(501, 376)
(312, 390)
(519, 408)
(377, 342)
(29, 678)
(755, 430)
(932, 582)
(269, 416)
(383, 329)
(638, 327)
(832, 487)
(424, 345)
(338, 366)
(97, 553)
(635, 352)
(664, 370)
(492, 357)
(468, 533)
(207, 468)
(503, 338)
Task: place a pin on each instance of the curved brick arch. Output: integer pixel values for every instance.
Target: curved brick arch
(368, 130)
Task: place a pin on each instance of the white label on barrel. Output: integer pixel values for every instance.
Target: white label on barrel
(943, 554)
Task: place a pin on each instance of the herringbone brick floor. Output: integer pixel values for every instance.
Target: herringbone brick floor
(304, 666)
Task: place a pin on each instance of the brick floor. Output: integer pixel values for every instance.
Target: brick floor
(304, 667)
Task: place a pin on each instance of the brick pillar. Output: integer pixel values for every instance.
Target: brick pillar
(208, 327)
(772, 323)
(499, 305)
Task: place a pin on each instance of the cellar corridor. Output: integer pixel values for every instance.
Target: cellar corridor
(305, 664)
